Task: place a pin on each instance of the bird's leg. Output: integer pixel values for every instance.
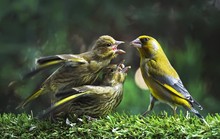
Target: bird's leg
(187, 114)
(174, 110)
(151, 105)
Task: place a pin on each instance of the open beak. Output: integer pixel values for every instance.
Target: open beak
(118, 51)
(136, 43)
(119, 42)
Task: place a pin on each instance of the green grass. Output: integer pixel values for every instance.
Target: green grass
(112, 126)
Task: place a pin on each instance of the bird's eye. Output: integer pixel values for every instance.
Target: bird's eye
(109, 44)
(112, 70)
(144, 40)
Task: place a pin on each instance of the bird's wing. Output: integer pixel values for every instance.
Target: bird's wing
(31, 98)
(84, 92)
(174, 85)
(62, 102)
(56, 59)
(50, 61)
(90, 89)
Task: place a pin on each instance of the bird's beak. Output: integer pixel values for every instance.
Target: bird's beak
(118, 51)
(119, 42)
(136, 43)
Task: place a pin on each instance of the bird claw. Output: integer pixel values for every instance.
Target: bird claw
(89, 118)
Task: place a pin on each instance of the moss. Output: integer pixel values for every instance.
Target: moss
(113, 126)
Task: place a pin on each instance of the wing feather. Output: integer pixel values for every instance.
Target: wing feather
(51, 61)
(174, 85)
(77, 93)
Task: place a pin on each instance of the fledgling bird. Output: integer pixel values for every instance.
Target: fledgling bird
(161, 78)
(91, 100)
(76, 70)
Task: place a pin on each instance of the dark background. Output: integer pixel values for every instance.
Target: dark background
(188, 31)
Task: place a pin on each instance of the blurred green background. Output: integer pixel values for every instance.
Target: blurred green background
(188, 31)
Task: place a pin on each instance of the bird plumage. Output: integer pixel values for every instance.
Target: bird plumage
(91, 100)
(163, 81)
(76, 70)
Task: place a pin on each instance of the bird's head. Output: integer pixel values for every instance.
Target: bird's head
(146, 45)
(115, 74)
(106, 46)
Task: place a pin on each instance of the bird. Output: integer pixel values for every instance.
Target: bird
(75, 69)
(161, 78)
(92, 100)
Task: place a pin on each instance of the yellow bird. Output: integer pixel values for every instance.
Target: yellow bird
(163, 81)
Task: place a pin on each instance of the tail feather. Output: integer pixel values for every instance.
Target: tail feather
(30, 98)
(194, 102)
(199, 115)
(60, 103)
(198, 105)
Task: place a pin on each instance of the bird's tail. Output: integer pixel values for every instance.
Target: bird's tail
(199, 115)
(30, 98)
(194, 102)
(60, 103)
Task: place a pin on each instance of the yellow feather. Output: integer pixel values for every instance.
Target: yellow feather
(62, 101)
(50, 63)
(156, 70)
(171, 89)
(30, 98)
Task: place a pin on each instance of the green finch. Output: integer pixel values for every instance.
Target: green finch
(161, 78)
(76, 70)
(91, 100)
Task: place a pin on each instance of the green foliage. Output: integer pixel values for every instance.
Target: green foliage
(111, 126)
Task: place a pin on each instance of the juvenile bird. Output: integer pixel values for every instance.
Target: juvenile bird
(161, 78)
(90, 100)
(76, 70)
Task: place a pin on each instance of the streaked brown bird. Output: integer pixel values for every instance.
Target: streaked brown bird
(90, 100)
(76, 70)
